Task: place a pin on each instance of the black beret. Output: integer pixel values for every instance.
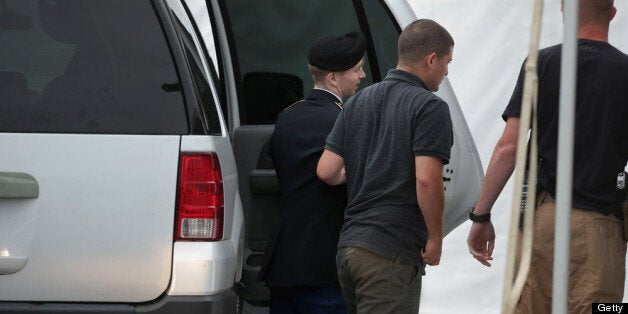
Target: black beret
(337, 53)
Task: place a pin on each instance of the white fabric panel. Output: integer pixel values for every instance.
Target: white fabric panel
(492, 38)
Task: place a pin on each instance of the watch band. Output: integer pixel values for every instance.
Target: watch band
(479, 218)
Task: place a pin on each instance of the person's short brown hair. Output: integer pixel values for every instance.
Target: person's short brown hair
(318, 74)
(421, 38)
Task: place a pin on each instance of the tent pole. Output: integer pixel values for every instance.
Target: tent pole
(564, 180)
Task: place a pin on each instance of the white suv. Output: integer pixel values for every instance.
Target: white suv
(132, 145)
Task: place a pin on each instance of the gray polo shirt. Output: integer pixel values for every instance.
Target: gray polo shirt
(378, 133)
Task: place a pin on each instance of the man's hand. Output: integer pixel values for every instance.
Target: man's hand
(432, 251)
(481, 242)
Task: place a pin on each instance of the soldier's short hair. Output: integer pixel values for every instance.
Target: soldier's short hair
(421, 38)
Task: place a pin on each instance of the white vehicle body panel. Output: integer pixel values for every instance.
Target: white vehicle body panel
(202, 268)
(101, 228)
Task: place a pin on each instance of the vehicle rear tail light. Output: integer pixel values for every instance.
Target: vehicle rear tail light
(201, 198)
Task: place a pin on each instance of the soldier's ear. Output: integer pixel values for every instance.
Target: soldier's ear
(331, 78)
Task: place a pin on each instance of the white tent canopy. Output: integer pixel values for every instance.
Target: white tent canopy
(492, 38)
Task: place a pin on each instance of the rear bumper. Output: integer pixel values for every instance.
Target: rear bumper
(213, 304)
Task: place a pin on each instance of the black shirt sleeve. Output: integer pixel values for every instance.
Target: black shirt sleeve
(514, 105)
(433, 131)
(336, 139)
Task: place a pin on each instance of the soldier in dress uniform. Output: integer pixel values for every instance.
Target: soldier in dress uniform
(299, 266)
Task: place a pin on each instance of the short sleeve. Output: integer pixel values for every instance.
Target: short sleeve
(336, 139)
(433, 134)
(514, 105)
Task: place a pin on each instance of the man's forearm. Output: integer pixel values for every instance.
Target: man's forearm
(335, 178)
(331, 168)
(499, 171)
(430, 193)
(500, 167)
(431, 198)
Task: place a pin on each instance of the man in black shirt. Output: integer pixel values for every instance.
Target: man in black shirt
(597, 265)
(299, 265)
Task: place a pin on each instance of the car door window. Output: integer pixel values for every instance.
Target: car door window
(206, 120)
(203, 21)
(271, 39)
(384, 34)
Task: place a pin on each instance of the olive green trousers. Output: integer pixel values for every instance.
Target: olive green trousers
(373, 284)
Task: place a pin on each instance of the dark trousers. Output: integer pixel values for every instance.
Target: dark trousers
(305, 299)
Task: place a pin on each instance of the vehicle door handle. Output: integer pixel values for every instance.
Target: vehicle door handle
(11, 264)
(18, 185)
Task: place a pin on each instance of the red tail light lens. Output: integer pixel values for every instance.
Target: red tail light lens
(201, 199)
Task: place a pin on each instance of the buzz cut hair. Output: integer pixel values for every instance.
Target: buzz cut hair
(421, 38)
(595, 11)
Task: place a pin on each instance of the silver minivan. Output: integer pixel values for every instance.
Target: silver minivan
(133, 168)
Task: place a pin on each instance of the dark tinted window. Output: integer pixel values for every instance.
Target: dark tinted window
(74, 66)
(385, 34)
(271, 38)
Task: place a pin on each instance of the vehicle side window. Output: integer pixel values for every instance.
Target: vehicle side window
(204, 93)
(206, 33)
(78, 66)
(200, 14)
(271, 39)
(385, 34)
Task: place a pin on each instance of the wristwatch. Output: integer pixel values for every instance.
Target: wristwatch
(479, 218)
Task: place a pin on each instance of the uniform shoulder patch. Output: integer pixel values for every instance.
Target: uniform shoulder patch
(294, 104)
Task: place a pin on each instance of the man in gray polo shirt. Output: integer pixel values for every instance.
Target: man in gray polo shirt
(389, 145)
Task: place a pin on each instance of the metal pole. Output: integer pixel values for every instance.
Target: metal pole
(513, 284)
(564, 174)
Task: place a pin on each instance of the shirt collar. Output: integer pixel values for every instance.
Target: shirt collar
(396, 74)
(339, 99)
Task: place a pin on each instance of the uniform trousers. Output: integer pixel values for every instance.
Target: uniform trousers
(597, 260)
(306, 300)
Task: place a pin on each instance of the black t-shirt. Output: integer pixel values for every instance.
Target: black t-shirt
(601, 132)
(378, 133)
